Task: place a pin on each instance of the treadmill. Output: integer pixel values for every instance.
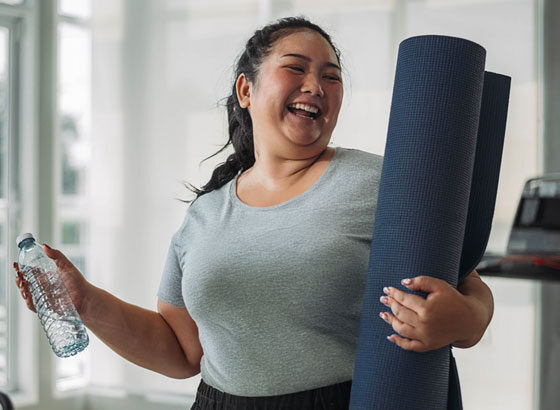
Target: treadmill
(533, 250)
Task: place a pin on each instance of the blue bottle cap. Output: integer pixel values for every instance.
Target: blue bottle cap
(23, 237)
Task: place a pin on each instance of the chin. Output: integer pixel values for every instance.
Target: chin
(311, 143)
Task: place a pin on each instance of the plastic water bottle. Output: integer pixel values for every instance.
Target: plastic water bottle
(64, 328)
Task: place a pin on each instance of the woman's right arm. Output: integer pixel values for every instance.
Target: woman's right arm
(165, 341)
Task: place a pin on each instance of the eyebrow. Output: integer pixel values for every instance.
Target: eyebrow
(328, 64)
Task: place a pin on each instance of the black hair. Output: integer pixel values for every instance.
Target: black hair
(240, 127)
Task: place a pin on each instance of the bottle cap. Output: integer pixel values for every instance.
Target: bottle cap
(23, 237)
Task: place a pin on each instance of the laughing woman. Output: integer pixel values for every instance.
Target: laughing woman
(263, 283)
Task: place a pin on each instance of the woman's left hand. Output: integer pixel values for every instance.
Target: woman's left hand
(444, 317)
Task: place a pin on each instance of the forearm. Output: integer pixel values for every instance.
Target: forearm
(482, 308)
(139, 335)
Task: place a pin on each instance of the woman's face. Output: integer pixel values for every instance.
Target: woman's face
(295, 100)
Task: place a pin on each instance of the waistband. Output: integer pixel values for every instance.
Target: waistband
(332, 397)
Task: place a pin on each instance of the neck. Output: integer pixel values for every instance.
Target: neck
(275, 173)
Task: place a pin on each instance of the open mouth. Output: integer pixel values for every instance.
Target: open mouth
(305, 111)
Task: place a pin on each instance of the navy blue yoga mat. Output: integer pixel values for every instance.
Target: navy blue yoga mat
(489, 147)
(443, 103)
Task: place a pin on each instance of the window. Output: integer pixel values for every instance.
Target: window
(9, 64)
(73, 148)
(4, 49)
(75, 8)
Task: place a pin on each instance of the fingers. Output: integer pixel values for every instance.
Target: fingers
(23, 288)
(399, 326)
(399, 309)
(58, 257)
(408, 344)
(19, 275)
(414, 302)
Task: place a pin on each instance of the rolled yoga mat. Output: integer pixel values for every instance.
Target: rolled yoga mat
(425, 202)
(491, 131)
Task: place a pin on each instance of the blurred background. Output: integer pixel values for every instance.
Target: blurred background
(106, 106)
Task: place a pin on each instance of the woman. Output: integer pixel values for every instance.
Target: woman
(263, 283)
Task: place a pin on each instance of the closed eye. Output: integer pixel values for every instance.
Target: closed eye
(332, 77)
(298, 69)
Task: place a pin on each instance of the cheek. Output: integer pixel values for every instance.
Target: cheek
(273, 91)
(279, 91)
(336, 101)
(339, 94)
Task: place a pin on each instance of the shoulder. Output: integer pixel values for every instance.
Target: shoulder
(357, 173)
(359, 154)
(203, 209)
(360, 161)
(212, 201)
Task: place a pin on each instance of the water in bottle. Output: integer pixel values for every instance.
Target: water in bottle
(58, 315)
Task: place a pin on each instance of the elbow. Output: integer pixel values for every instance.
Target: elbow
(182, 374)
(194, 371)
(491, 310)
(185, 372)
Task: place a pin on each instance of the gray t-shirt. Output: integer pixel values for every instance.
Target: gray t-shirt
(277, 291)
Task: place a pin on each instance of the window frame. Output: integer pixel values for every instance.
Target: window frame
(69, 208)
(21, 21)
(9, 205)
(32, 180)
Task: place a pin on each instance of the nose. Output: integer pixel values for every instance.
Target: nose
(312, 85)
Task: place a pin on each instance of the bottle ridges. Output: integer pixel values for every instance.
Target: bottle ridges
(61, 322)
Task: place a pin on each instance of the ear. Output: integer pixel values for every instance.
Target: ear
(243, 89)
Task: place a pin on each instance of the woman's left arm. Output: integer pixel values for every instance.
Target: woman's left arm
(446, 316)
(480, 294)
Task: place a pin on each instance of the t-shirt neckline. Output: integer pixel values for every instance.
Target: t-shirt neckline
(235, 199)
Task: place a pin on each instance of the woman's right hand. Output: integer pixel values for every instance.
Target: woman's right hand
(73, 279)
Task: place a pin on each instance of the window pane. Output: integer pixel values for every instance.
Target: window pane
(75, 8)
(4, 280)
(74, 125)
(3, 108)
(74, 106)
(70, 234)
(3, 346)
(3, 296)
(12, 2)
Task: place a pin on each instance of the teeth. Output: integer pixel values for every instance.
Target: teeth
(305, 107)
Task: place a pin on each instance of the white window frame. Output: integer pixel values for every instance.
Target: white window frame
(69, 207)
(31, 186)
(9, 205)
(21, 20)
(31, 202)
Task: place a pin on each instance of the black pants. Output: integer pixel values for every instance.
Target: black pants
(333, 397)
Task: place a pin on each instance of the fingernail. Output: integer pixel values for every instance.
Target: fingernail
(406, 281)
(386, 290)
(383, 316)
(383, 299)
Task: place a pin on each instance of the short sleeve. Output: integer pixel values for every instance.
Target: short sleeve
(170, 286)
